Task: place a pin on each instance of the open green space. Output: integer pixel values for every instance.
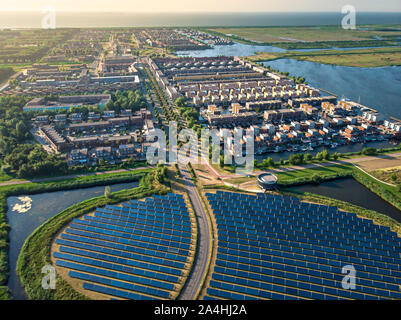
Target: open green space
(310, 37)
(363, 58)
(315, 175)
(29, 45)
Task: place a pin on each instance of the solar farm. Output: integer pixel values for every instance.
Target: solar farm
(277, 247)
(138, 250)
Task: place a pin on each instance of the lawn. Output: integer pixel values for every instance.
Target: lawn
(324, 172)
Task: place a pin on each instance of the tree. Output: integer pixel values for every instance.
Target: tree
(221, 162)
(107, 192)
(393, 176)
(316, 179)
(369, 151)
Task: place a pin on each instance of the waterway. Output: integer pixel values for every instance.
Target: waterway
(241, 50)
(351, 191)
(27, 212)
(378, 88)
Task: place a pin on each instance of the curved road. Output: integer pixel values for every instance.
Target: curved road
(200, 267)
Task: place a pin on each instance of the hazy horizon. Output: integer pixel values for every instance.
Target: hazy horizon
(204, 6)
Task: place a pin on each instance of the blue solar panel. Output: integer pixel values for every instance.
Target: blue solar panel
(297, 250)
(134, 251)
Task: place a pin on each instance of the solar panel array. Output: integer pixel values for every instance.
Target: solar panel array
(138, 250)
(276, 247)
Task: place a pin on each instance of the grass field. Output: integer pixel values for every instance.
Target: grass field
(363, 58)
(304, 34)
(331, 171)
(389, 175)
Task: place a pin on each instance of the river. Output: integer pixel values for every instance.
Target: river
(351, 191)
(378, 88)
(27, 212)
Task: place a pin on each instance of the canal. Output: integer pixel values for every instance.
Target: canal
(27, 212)
(351, 191)
(378, 88)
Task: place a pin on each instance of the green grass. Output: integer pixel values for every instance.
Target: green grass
(303, 176)
(388, 193)
(306, 37)
(363, 58)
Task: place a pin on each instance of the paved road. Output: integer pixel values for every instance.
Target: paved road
(200, 267)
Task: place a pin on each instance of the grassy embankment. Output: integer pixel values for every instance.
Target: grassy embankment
(36, 250)
(390, 175)
(388, 193)
(362, 58)
(34, 188)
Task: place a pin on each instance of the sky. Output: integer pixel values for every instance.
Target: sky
(177, 6)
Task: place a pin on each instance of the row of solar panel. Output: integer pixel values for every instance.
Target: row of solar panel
(296, 288)
(296, 215)
(343, 241)
(154, 227)
(141, 216)
(146, 231)
(135, 237)
(340, 245)
(253, 228)
(115, 292)
(263, 209)
(177, 212)
(119, 284)
(162, 223)
(316, 268)
(179, 215)
(239, 296)
(315, 231)
(135, 243)
(116, 275)
(290, 207)
(253, 215)
(128, 248)
(176, 205)
(116, 267)
(312, 255)
(324, 278)
(129, 255)
(150, 214)
(123, 261)
(167, 208)
(255, 247)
